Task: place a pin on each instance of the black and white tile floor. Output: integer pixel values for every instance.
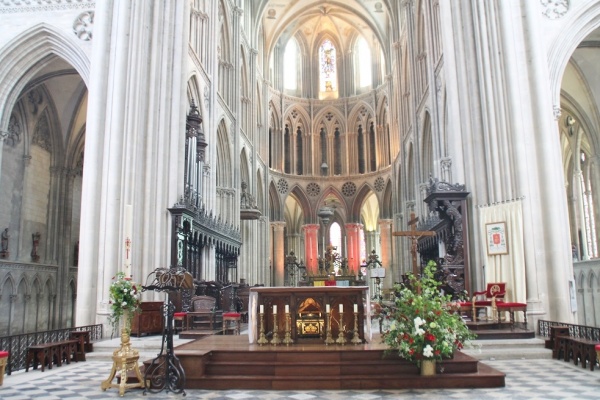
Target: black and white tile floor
(526, 379)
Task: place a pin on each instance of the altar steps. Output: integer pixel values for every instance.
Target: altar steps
(319, 367)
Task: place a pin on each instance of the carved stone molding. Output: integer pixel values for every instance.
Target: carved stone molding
(555, 9)
(83, 25)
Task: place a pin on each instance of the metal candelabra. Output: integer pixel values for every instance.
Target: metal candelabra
(341, 339)
(328, 338)
(287, 340)
(356, 338)
(275, 341)
(262, 340)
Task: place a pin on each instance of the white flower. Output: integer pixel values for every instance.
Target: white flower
(393, 325)
(433, 325)
(418, 322)
(419, 331)
(124, 304)
(428, 351)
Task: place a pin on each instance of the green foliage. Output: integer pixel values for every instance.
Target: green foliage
(124, 298)
(421, 324)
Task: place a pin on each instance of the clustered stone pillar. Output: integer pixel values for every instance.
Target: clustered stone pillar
(311, 247)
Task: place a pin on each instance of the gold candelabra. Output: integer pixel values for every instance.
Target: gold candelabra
(356, 338)
(262, 340)
(328, 339)
(275, 341)
(287, 340)
(341, 339)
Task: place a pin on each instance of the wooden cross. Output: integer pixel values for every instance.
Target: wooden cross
(414, 234)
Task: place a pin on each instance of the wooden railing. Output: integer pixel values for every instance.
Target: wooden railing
(17, 345)
(576, 331)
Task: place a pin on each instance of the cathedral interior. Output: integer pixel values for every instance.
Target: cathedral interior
(270, 141)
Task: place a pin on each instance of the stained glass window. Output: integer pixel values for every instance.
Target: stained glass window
(327, 58)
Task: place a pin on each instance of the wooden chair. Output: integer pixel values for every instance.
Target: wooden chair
(203, 312)
(3, 361)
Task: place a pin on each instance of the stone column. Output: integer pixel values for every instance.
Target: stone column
(278, 252)
(385, 237)
(311, 247)
(353, 243)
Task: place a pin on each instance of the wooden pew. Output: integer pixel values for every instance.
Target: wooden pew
(50, 353)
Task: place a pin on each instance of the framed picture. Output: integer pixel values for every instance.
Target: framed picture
(496, 238)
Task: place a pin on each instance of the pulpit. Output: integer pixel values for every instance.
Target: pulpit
(309, 308)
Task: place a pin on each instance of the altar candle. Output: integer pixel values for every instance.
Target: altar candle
(287, 308)
(341, 308)
(262, 309)
(275, 309)
(356, 308)
(127, 228)
(327, 308)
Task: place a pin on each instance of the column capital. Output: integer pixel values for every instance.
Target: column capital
(278, 225)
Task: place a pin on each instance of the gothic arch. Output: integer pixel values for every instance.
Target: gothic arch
(298, 193)
(275, 206)
(362, 193)
(43, 43)
(427, 156)
(224, 173)
(387, 209)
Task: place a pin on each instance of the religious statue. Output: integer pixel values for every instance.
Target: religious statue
(35, 238)
(4, 249)
(5, 237)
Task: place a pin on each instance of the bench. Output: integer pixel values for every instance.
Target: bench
(584, 350)
(578, 349)
(52, 352)
(85, 346)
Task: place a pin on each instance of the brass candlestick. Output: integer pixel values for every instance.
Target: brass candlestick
(262, 340)
(356, 338)
(287, 340)
(275, 341)
(328, 339)
(341, 339)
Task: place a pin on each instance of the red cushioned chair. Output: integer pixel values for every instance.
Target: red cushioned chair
(233, 318)
(598, 352)
(182, 318)
(494, 294)
(3, 361)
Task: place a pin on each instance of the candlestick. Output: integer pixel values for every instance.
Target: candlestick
(341, 339)
(261, 337)
(262, 309)
(287, 340)
(355, 338)
(275, 341)
(328, 338)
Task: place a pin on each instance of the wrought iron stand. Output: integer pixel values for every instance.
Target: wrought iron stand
(165, 371)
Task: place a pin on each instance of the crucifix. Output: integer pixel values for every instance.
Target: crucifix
(414, 234)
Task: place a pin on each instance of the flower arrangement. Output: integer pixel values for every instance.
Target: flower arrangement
(421, 324)
(124, 298)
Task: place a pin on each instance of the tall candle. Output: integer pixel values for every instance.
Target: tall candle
(127, 238)
(356, 308)
(341, 308)
(275, 309)
(287, 308)
(262, 309)
(327, 308)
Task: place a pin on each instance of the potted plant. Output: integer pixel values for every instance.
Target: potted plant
(124, 300)
(421, 326)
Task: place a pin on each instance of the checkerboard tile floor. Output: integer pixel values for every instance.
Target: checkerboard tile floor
(525, 379)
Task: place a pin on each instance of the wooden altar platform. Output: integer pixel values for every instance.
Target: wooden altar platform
(231, 362)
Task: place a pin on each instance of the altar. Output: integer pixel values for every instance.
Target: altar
(311, 312)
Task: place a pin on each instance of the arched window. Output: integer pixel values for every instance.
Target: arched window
(588, 208)
(291, 60)
(363, 53)
(335, 239)
(328, 70)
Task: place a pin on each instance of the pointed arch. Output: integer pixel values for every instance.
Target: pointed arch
(43, 43)
(427, 156)
(275, 207)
